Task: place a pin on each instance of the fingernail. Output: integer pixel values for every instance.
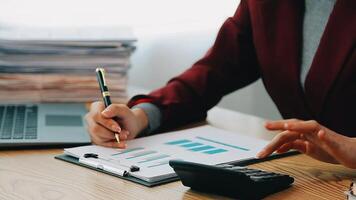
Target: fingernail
(116, 128)
(105, 112)
(260, 154)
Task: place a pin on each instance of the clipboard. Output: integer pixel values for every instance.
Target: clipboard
(205, 145)
(75, 160)
(243, 162)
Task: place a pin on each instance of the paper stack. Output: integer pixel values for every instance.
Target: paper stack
(58, 65)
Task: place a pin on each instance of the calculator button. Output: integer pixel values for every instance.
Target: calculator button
(257, 178)
(238, 168)
(248, 171)
(253, 171)
(259, 173)
(275, 176)
(225, 166)
(261, 178)
(263, 174)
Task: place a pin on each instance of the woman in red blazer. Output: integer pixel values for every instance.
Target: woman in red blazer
(263, 40)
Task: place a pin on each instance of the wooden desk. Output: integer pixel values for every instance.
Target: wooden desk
(35, 174)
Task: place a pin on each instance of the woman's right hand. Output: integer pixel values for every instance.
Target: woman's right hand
(313, 139)
(103, 123)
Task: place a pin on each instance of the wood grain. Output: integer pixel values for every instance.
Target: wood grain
(35, 174)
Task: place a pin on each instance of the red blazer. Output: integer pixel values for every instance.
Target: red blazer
(264, 40)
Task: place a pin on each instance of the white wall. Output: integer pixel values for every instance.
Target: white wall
(171, 36)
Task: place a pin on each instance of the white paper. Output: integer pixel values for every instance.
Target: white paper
(206, 145)
(68, 35)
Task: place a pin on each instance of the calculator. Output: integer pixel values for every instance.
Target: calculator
(230, 180)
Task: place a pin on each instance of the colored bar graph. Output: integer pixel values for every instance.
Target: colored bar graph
(191, 144)
(141, 154)
(128, 150)
(178, 142)
(221, 143)
(154, 158)
(215, 151)
(197, 146)
(202, 148)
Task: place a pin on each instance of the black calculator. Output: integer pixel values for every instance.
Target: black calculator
(230, 180)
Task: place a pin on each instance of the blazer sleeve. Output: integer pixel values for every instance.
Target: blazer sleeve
(230, 64)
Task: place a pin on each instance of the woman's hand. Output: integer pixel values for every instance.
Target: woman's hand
(313, 139)
(104, 123)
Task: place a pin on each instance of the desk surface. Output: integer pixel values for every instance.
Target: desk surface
(35, 174)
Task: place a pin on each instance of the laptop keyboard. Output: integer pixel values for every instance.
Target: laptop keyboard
(18, 122)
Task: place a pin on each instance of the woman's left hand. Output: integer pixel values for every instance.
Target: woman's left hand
(313, 139)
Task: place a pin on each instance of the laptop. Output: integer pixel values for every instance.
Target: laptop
(55, 124)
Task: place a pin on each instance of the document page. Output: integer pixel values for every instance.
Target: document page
(205, 144)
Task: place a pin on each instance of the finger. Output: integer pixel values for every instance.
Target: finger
(310, 126)
(95, 112)
(278, 141)
(112, 143)
(107, 123)
(116, 110)
(102, 136)
(97, 140)
(101, 132)
(124, 134)
(309, 149)
(298, 145)
(279, 124)
(285, 147)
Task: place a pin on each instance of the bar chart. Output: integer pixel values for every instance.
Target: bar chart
(142, 156)
(204, 145)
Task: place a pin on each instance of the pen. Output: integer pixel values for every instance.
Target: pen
(100, 75)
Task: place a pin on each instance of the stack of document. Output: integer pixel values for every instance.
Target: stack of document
(58, 64)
